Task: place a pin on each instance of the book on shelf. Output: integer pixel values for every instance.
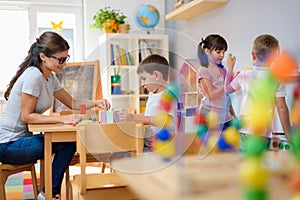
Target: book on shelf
(116, 54)
(120, 56)
(112, 54)
(128, 58)
(143, 90)
(123, 57)
(144, 49)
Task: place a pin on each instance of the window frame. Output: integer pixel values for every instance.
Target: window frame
(33, 10)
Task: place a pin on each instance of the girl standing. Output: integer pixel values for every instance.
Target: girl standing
(211, 77)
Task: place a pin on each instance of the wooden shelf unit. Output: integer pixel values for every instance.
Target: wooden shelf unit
(134, 98)
(194, 8)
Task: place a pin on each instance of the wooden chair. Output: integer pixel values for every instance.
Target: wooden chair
(105, 138)
(6, 170)
(102, 159)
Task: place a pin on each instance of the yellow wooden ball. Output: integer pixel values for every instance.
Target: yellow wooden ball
(212, 142)
(259, 118)
(253, 174)
(167, 97)
(232, 136)
(164, 148)
(162, 119)
(212, 119)
(296, 196)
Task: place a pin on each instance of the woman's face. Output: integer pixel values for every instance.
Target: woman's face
(57, 61)
(216, 56)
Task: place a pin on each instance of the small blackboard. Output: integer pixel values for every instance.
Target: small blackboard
(81, 80)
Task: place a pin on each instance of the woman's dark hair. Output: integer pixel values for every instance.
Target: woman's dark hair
(155, 62)
(48, 43)
(211, 42)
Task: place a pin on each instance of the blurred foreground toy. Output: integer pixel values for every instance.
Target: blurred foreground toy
(283, 67)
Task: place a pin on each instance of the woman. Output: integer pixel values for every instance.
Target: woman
(29, 94)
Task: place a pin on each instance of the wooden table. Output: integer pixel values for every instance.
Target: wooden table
(52, 133)
(67, 133)
(192, 177)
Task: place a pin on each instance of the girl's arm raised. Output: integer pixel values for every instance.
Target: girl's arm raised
(229, 75)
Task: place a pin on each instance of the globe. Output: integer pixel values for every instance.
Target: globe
(146, 17)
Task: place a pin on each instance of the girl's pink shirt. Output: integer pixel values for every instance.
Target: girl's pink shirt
(220, 105)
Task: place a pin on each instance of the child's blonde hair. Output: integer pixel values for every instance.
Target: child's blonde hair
(263, 45)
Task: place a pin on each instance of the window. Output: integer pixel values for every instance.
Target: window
(22, 23)
(68, 17)
(14, 42)
(62, 23)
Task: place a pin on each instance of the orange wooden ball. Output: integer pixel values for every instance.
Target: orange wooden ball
(295, 117)
(283, 67)
(295, 179)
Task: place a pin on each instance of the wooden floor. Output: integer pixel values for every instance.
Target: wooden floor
(121, 193)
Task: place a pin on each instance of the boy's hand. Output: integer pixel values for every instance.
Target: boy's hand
(124, 116)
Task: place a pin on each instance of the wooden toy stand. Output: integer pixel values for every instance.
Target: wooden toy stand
(192, 177)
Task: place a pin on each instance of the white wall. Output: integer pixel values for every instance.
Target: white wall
(239, 21)
(127, 7)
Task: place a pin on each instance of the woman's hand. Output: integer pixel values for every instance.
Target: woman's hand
(67, 119)
(103, 104)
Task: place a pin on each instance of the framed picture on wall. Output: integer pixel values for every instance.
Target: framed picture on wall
(81, 80)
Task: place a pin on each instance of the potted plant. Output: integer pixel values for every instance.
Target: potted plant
(108, 19)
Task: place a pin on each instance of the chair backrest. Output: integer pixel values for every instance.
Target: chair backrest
(115, 137)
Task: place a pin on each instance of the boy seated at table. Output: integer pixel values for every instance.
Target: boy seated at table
(153, 72)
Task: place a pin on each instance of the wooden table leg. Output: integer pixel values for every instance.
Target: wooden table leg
(42, 174)
(48, 165)
(82, 159)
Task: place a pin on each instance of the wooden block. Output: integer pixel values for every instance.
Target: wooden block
(110, 116)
